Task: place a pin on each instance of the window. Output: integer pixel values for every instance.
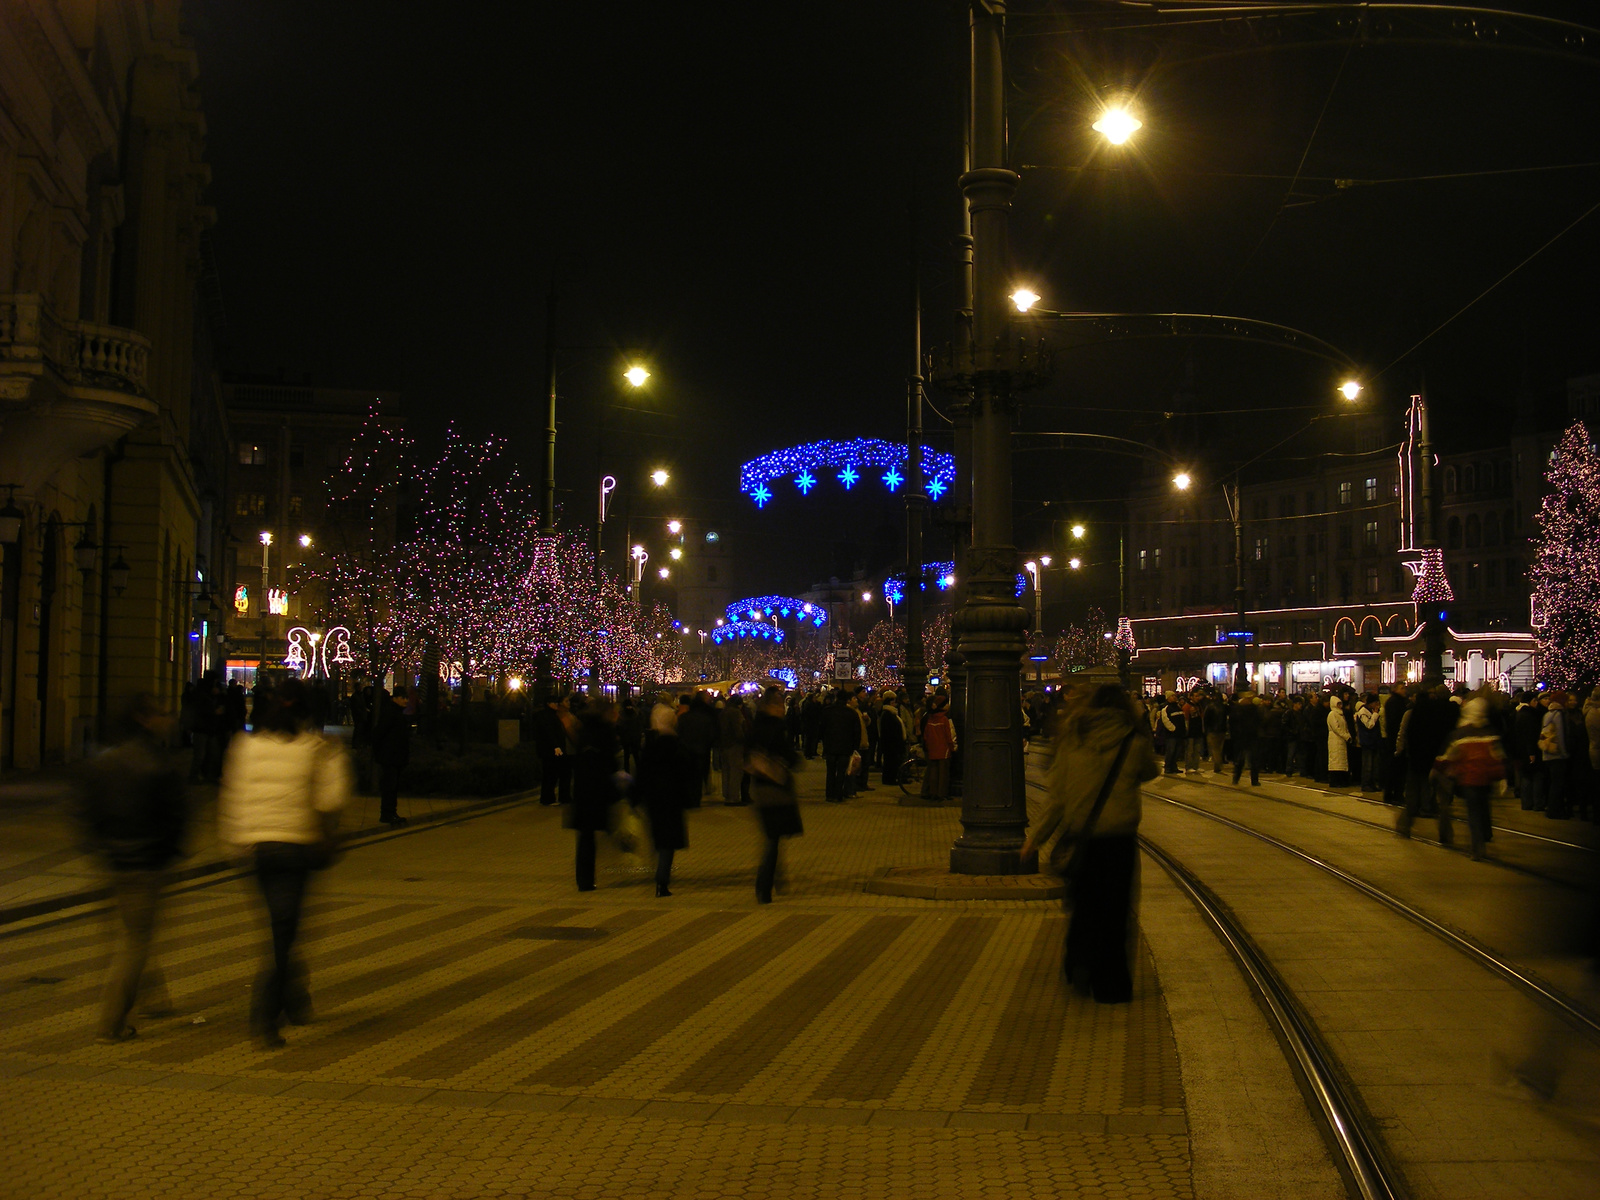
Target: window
(1452, 537)
(250, 504)
(1369, 535)
(1155, 564)
(1372, 581)
(1474, 531)
(1474, 574)
(1491, 530)
(1449, 481)
(1344, 583)
(1261, 548)
(297, 458)
(1286, 547)
(295, 505)
(1469, 478)
(1399, 579)
(1346, 492)
(1491, 575)
(1144, 560)
(1286, 506)
(252, 455)
(1261, 510)
(1513, 573)
(1344, 539)
(1311, 585)
(1371, 487)
(1311, 543)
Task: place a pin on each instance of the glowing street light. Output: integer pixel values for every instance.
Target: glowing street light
(514, 683)
(675, 554)
(664, 573)
(1044, 560)
(866, 597)
(636, 376)
(1074, 563)
(674, 527)
(659, 477)
(266, 538)
(1181, 481)
(1024, 299)
(1078, 531)
(1350, 389)
(1117, 124)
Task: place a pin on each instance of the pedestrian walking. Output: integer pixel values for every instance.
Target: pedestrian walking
(1390, 713)
(391, 752)
(841, 735)
(732, 726)
(697, 728)
(664, 786)
(594, 785)
(553, 730)
(1474, 760)
(1425, 732)
(134, 812)
(1101, 756)
(772, 760)
(1339, 739)
(283, 788)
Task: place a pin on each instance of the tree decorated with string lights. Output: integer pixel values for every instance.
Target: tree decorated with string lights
(1566, 568)
(881, 654)
(1083, 645)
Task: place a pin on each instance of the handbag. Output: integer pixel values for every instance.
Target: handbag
(1070, 865)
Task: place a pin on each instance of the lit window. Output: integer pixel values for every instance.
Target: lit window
(1143, 560)
(1369, 537)
(252, 455)
(1346, 492)
(1372, 488)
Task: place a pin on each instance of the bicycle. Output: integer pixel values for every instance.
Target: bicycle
(911, 771)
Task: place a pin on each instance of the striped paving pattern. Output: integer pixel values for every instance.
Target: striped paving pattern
(835, 1009)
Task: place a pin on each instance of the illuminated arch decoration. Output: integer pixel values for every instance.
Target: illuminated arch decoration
(316, 653)
(735, 630)
(757, 608)
(808, 466)
(941, 574)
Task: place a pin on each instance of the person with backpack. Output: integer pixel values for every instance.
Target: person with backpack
(1474, 760)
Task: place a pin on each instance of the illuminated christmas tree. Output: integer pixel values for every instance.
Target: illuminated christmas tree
(1566, 569)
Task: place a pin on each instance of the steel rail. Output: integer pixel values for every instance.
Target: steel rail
(1563, 1007)
(1363, 1165)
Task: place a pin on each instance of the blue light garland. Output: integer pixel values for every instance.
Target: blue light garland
(785, 675)
(943, 575)
(848, 462)
(748, 629)
(759, 607)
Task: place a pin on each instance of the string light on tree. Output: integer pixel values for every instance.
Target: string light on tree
(1566, 567)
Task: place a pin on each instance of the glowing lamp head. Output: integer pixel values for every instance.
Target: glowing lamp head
(266, 538)
(675, 554)
(664, 573)
(1074, 563)
(866, 597)
(638, 552)
(1078, 531)
(1031, 567)
(1024, 299)
(674, 527)
(514, 683)
(659, 478)
(636, 376)
(1181, 481)
(1350, 389)
(1044, 560)
(1117, 125)
(305, 540)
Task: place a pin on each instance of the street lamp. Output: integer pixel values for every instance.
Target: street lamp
(305, 541)
(1117, 125)
(1078, 531)
(1024, 299)
(664, 573)
(1181, 481)
(659, 477)
(1074, 563)
(1350, 389)
(636, 375)
(674, 527)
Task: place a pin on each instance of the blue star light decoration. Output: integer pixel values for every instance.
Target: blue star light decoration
(757, 608)
(848, 462)
(941, 574)
(746, 630)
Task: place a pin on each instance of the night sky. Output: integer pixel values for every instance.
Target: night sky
(726, 192)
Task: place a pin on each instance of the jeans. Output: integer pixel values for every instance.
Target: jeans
(1370, 759)
(1476, 797)
(1191, 754)
(282, 872)
(585, 861)
(1174, 746)
(137, 895)
(1252, 751)
(1214, 744)
(1292, 762)
(1097, 933)
(835, 787)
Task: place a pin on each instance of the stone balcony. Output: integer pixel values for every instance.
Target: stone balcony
(66, 388)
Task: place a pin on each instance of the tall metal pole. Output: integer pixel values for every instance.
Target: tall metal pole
(547, 483)
(914, 670)
(992, 624)
(1432, 627)
(1241, 674)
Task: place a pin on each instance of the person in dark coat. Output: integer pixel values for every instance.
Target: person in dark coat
(841, 737)
(697, 729)
(664, 786)
(552, 733)
(1526, 755)
(891, 738)
(594, 785)
(1390, 714)
(811, 713)
(1433, 717)
(134, 811)
(391, 751)
(772, 760)
(1244, 731)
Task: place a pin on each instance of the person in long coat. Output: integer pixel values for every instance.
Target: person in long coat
(891, 737)
(1338, 744)
(772, 760)
(665, 785)
(594, 785)
(939, 739)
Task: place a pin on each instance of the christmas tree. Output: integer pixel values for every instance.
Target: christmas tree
(1566, 569)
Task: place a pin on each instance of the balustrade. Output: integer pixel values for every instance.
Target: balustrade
(79, 351)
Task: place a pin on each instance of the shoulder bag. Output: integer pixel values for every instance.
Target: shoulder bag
(1067, 859)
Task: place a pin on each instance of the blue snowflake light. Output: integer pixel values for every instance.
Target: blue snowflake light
(848, 462)
(758, 607)
(723, 634)
(941, 574)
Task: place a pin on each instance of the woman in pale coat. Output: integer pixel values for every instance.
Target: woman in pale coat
(282, 789)
(1338, 744)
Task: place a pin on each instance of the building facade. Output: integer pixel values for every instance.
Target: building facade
(1328, 557)
(110, 422)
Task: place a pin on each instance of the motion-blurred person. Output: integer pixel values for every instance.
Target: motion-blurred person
(1474, 760)
(772, 762)
(939, 742)
(1553, 740)
(391, 752)
(1427, 728)
(697, 727)
(134, 812)
(594, 785)
(283, 788)
(1244, 729)
(553, 728)
(732, 726)
(664, 786)
(1390, 714)
(1101, 757)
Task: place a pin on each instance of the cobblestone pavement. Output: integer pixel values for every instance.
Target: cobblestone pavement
(484, 1030)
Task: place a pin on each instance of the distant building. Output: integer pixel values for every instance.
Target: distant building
(287, 442)
(1327, 586)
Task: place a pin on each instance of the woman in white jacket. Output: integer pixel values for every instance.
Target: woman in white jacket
(282, 789)
(1338, 744)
